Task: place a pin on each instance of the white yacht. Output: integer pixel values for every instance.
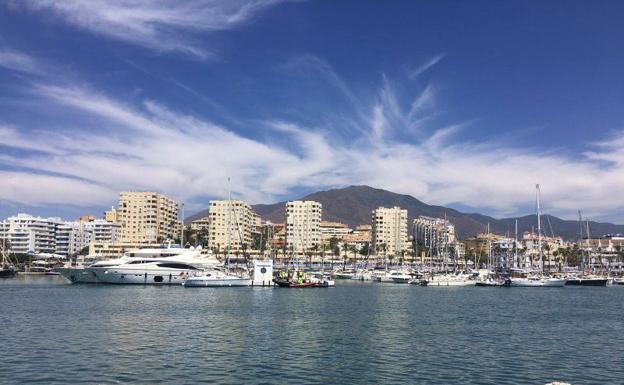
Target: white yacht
(170, 270)
(363, 275)
(394, 276)
(459, 279)
(537, 281)
(345, 274)
(84, 268)
(217, 278)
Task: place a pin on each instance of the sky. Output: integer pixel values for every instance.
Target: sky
(462, 104)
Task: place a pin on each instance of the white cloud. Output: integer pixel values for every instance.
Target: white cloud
(414, 73)
(18, 61)
(164, 25)
(152, 147)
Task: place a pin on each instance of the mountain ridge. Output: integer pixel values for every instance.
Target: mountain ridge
(353, 205)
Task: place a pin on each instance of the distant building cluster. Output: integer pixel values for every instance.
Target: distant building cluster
(27, 234)
(144, 219)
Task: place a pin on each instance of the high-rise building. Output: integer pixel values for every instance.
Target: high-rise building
(434, 232)
(389, 230)
(147, 217)
(230, 222)
(303, 221)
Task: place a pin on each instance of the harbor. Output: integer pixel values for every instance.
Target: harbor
(311, 192)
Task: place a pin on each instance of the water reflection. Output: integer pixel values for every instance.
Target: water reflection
(354, 333)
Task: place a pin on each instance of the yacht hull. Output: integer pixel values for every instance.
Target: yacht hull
(538, 282)
(78, 275)
(448, 283)
(304, 285)
(216, 282)
(142, 277)
(7, 273)
(587, 282)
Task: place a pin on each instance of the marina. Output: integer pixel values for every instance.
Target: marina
(311, 192)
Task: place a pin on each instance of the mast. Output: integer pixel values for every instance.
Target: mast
(515, 261)
(587, 245)
(539, 227)
(580, 241)
(229, 226)
(489, 247)
(182, 231)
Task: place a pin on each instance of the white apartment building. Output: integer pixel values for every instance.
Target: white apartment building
(433, 232)
(231, 222)
(303, 222)
(30, 234)
(103, 230)
(147, 217)
(389, 231)
(72, 237)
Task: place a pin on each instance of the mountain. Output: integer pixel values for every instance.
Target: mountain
(353, 205)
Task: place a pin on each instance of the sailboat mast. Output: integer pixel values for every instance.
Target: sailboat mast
(182, 231)
(229, 225)
(587, 244)
(489, 247)
(515, 261)
(539, 226)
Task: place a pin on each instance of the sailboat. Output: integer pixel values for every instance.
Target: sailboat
(226, 277)
(538, 280)
(7, 269)
(585, 278)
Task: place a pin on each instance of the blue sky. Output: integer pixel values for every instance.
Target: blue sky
(465, 104)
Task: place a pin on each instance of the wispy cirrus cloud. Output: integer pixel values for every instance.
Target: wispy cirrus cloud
(165, 25)
(18, 61)
(111, 145)
(417, 71)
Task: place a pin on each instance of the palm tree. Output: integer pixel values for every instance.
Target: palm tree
(354, 250)
(315, 249)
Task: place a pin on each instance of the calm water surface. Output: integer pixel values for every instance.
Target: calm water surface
(356, 333)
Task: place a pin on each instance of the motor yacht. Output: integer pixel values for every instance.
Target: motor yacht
(345, 274)
(216, 278)
(443, 280)
(586, 280)
(363, 275)
(83, 269)
(393, 276)
(169, 270)
(537, 281)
